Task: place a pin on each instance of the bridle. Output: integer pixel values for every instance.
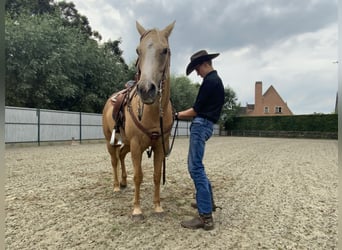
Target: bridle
(161, 82)
(166, 66)
(154, 135)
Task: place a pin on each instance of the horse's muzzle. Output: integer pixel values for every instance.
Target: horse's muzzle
(147, 91)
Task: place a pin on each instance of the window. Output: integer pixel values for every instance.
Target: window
(278, 109)
(266, 110)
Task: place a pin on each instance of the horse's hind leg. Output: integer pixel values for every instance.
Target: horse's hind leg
(123, 152)
(113, 151)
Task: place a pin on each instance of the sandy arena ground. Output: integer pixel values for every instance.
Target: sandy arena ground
(274, 194)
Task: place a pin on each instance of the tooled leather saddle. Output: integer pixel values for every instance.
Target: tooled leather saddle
(119, 100)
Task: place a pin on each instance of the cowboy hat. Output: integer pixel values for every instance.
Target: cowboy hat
(198, 58)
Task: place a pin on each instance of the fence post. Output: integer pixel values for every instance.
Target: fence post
(38, 125)
(187, 128)
(80, 127)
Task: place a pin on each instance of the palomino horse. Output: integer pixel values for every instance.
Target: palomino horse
(148, 115)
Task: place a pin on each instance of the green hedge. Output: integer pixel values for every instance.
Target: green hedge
(316, 122)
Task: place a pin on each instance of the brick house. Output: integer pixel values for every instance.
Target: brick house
(268, 104)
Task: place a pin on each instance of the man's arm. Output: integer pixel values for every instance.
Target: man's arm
(186, 114)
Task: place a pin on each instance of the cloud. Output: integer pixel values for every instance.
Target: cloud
(287, 43)
(294, 67)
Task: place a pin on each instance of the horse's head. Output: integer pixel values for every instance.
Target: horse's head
(153, 61)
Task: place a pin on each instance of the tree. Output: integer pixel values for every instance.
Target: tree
(112, 47)
(183, 92)
(230, 108)
(66, 10)
(33, 7)
(72, 18)
(51, 65)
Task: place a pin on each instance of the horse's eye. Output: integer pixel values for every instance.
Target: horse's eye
(137, 50)
(165, 51)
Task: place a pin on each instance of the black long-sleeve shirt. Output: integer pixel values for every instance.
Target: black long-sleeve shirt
(210, 97)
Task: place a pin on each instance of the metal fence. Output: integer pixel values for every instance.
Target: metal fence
(34, 125)
(282, 134)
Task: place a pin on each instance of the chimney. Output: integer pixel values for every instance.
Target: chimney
(258, 94)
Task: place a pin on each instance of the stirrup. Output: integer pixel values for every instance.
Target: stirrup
(119, 142)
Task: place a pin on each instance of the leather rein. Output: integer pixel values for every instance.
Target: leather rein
(154, 135)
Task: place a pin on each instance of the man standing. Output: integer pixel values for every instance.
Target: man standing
(205, 113)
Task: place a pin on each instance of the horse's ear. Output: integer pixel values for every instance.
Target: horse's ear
(168, 29)
(140, 28)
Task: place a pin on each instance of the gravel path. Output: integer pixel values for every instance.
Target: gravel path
(274, 194)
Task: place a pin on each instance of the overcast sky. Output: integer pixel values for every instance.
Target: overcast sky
(289, 44)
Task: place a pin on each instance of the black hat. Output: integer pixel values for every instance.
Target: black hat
(198, 58)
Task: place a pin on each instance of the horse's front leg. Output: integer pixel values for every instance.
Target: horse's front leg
(136, 154)
(113, 151)
(122, 155)
(158, 161)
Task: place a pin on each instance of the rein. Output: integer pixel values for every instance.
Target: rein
(151, 135)
(155, 135)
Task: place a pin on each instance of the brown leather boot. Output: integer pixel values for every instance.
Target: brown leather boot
(204, 221)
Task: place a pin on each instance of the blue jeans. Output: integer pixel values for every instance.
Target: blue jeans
(201, 130)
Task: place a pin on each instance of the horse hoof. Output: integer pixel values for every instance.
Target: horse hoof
(116, 189)
(123, 185)
(138, 217)
(159, 215)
